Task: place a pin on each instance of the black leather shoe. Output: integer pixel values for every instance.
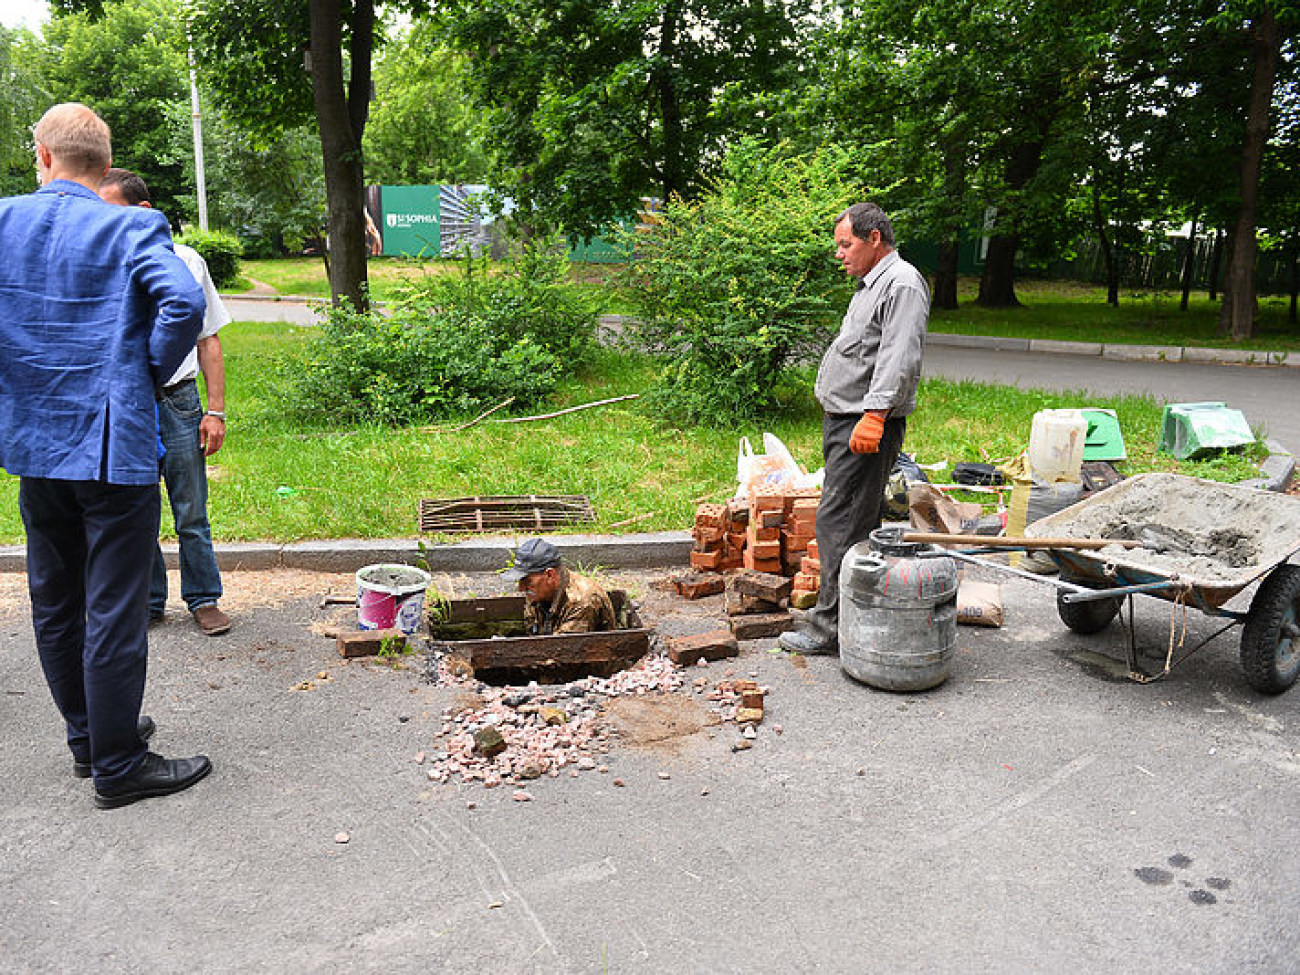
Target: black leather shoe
(144, 728)
(156, 776)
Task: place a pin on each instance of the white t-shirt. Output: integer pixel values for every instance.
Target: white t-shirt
(214, 319)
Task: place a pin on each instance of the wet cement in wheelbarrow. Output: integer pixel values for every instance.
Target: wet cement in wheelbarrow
(1191, 528)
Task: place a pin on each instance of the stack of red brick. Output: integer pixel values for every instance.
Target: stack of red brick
(773, 533)
(808, 580)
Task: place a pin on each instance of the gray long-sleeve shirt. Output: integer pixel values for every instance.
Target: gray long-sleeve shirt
(875, 361)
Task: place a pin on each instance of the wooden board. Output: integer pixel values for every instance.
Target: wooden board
(560, 657)
(533, 512)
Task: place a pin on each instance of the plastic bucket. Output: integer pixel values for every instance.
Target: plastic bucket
(1056, 443)
(391, 595)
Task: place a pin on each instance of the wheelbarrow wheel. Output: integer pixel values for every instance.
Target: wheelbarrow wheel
(1270, 640)
(1090, 617)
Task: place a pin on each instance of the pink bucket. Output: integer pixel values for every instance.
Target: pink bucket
(391, 596)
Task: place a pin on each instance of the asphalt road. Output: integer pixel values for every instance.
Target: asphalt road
(1267, 395)
(1036, 813)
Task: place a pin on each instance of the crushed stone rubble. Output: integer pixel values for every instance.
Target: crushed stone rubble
(513, 735)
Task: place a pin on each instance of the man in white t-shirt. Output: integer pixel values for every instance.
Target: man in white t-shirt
(190, 435)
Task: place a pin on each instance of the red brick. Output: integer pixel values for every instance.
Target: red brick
(697, 585)
(771, 519)
(705, 560)
(757, 627)
(812, 566)
(710, 515)
(739, 604)
(804, 509)
(755, 534)
(715, 645)
(707, 536)
(751, 698)
(762, 585)
(766, 550)
(368, 643)
(806, 581)
(812, 549)
(764, 499)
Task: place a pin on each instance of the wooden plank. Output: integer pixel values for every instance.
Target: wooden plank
(559, 650)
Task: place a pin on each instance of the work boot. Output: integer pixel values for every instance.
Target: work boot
(803, 642)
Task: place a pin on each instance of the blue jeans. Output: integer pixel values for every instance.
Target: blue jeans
(184, 469)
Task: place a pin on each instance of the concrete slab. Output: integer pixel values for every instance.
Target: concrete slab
(1055, 347)
(996, 343)
(1241, 357)
(1143, 353)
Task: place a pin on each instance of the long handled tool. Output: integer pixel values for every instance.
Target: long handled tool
(1005, 541)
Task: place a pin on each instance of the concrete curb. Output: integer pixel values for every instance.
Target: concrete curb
(1121, 352)
(647, 550)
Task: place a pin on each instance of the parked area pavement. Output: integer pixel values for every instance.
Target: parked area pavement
(1034, 813)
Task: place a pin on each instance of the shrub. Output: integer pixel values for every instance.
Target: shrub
(734, 287)
(531, 300)
(219, 249)
(451, 347)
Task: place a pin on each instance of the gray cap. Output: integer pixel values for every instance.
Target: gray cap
(534, 555)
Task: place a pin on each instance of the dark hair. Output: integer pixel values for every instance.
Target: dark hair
(133, 188)
(866, 217)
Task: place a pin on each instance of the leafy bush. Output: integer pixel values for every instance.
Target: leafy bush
(451, 347)
(532, 300)
(734, 287)
(221, 250)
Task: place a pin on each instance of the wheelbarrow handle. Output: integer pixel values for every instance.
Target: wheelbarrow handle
(1011, 541)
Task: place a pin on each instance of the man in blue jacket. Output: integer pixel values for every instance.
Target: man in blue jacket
(96, 311)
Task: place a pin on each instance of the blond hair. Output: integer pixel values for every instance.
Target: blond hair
(77, 137)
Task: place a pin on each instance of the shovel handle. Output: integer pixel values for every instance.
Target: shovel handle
(1005, 541)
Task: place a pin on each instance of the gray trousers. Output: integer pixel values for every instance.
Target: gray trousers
(852, 495)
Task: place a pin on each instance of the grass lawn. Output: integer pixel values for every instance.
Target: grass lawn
(1063, 310)
(306, 276)
(1077, 312)
(281, 481)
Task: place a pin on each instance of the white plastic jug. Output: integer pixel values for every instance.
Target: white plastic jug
(1056, 444)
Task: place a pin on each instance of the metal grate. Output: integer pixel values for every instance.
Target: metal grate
(536, 512)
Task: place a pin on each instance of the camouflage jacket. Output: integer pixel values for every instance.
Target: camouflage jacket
(579, 606)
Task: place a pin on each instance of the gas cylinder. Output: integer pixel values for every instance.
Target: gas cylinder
(898, 613)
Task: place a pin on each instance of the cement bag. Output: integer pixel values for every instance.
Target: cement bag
(930, 510)
(979, 603)
(775, 466)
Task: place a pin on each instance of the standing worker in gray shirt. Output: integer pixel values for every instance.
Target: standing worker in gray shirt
(867, 387)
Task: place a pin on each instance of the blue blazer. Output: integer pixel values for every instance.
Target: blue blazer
(96, 311)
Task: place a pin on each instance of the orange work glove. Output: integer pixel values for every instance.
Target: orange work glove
(866, 435)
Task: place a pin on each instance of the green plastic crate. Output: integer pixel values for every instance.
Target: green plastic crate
(1189, 429)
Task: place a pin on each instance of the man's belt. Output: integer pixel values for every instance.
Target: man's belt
(168, 390)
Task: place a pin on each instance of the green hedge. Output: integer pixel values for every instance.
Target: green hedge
(221, 250)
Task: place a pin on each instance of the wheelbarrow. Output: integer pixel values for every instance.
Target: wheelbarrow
(1189, 541)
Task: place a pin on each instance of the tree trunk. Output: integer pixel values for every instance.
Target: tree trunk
(998, 283)
(1107, 252)
(1295, 287)
(1216, 262)
(945, 276)
(669, 105)
(1189, 259)
(1237, 316)
(341, 145)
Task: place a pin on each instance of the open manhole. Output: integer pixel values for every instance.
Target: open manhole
(487, 637)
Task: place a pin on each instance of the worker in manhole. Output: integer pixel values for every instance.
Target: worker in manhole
(558, 600)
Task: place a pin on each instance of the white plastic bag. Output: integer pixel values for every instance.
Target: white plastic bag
(776, 465)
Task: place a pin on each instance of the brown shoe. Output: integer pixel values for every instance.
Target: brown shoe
(211, 620)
